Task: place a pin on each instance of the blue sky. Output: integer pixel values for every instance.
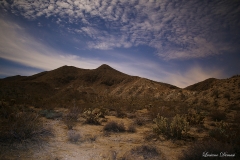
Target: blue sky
(176, 42)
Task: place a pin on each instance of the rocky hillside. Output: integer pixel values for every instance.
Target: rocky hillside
(67, 83)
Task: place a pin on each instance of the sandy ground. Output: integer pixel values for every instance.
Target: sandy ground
(93, 144)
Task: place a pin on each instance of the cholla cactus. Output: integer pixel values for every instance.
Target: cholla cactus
(173, 129)
(178, 126)
(162, 125)
(92, 117)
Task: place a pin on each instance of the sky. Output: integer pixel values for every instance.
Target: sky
(179, 42)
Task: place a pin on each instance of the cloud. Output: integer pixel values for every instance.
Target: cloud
(176, 29)
(17, 46)
(191, 76)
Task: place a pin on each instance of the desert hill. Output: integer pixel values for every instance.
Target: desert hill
(105, 114)
(204, 85)
(68, 82)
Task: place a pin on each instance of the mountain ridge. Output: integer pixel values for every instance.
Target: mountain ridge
(62, 85)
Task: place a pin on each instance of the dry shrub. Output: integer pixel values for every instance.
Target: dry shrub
(131, 115)
(226, 132)
(200, 148)
(73, 136)
(140, 121)
(18, 125)
(143, 152)
(227, 96)
(194, 118)
(72, 116)
(149, 135)
(237, 118)
(113, 126)
(73, 113)
(132, 128)
(90, 137)
(163, 111)
(234, 107)
(121, 113)
(50, 114)
(215, 93)
(218, 115)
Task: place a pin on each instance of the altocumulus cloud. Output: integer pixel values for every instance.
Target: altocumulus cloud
(176, 29)
(18, 46)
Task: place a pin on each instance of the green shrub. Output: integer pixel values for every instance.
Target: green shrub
(176, 127)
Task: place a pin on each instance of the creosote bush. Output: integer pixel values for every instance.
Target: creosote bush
(113, 126)
(174, 128)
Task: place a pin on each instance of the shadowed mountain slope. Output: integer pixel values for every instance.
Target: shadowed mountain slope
(68, 82)
(204, 85)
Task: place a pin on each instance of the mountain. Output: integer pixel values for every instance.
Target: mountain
(66, 83)
(204, 85)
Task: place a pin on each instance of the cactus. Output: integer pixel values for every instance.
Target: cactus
(93, 116)
(175, 128)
